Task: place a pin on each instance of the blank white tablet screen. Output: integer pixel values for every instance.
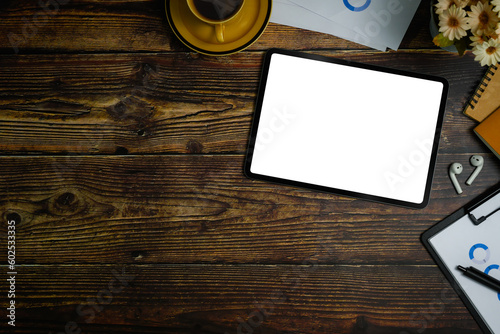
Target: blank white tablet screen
(347, 128)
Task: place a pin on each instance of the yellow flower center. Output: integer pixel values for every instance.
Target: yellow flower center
(491, 50)
(453, 22)
(484, 19)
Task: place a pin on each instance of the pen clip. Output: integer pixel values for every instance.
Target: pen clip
(481, 219)
(478, 203)
(475, 220)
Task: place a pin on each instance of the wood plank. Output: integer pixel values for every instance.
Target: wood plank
(131, 26)
(183, 103)
(120, 149)
(201, 209)
(213, 299)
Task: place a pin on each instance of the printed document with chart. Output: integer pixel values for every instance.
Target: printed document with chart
(377, 24)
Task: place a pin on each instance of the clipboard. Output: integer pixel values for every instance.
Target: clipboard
(347, 128)
(470, 237)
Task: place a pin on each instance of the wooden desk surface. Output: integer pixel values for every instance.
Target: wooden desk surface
(121, 165)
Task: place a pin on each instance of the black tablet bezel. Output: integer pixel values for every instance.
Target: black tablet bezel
(344, 192)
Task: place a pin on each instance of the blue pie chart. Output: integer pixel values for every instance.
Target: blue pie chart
(473, 253)
(487, 271)
(358, 8)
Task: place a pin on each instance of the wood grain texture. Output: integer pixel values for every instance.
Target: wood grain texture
(135, 26)
(121, 156)
(181, 103)
(218, 299)
(201, 209)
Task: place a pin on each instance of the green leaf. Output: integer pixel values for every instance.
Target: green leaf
(442, 41)
(461, 46)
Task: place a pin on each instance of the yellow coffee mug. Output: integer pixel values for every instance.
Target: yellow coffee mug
(217, 13)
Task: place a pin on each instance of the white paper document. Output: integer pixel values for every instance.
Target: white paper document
(377, 24)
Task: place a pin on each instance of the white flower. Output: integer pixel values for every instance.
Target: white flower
(443, 5)
(488, 53)
(476, 40)
(496, 3)
(453, 23)
(482, 19)
(461, 3)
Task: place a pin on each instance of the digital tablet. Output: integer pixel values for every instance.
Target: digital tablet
(347, 128)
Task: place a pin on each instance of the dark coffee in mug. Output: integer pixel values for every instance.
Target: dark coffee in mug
(217, 10)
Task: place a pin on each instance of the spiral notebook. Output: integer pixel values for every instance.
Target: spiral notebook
(485, 99)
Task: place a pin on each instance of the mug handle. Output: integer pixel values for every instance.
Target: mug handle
(219, 32)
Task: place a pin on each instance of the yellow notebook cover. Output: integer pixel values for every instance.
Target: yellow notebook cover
(486, 98)
(489, 132)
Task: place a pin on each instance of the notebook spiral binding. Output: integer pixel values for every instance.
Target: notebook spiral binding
(481, 87)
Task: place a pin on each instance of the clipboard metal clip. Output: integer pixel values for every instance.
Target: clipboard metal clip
(479, 220)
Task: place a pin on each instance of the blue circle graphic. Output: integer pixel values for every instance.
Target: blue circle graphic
(487, 271)
(357, 9)
(493, 266)
(479, 261)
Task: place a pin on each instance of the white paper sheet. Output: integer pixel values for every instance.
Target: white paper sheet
(377, 24)
(290, 14)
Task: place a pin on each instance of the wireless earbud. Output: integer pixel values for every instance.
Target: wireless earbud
(455, 169)
(478, 162)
